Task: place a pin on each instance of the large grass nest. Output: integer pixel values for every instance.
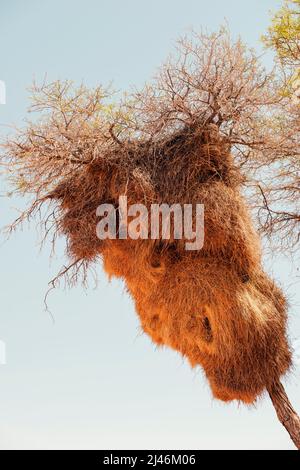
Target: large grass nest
(183, 139)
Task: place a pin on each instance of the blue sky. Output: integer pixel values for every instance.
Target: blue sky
(90, 379)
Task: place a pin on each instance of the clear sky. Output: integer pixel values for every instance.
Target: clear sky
(91, 379)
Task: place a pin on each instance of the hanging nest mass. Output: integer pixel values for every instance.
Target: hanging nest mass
(183, 139)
